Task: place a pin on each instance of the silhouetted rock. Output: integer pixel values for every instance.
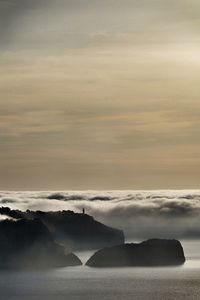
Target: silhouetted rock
(154, 252)
(72, 260)
(29, 244)
(74, 230)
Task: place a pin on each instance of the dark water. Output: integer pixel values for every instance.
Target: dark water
(81, 283)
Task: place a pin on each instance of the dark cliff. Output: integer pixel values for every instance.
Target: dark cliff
(74, 230)
(29, 244)
(154, 252)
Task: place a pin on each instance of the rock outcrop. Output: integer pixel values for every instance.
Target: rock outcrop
(154, 252)
(29, 244)
(76, 231)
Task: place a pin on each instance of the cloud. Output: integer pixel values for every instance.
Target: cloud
(61, 196)
(8, 200)
(42, 24)
(141, 214)
(99, 94)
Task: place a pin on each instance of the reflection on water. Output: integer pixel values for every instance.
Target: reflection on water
(84, 283)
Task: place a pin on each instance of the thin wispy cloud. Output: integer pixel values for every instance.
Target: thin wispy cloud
(99, 94)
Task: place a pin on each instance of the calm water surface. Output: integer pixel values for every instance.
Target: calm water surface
(83, 283)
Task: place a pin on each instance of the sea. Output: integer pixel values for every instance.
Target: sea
(85, 283)
(165, 213)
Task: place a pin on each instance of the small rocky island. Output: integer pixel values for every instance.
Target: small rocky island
(153, 252)
(29, 244)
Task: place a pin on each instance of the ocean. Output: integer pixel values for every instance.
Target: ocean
(84, 283)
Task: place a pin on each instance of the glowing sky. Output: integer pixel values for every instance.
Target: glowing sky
(99, 94)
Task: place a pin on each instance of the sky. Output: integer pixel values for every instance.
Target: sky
(99, 94)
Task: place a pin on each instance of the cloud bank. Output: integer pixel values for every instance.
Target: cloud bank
(141, 214)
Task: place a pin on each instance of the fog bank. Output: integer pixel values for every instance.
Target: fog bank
(141, 214)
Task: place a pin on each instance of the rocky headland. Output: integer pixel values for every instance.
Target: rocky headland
(76, 231)
(29, 244)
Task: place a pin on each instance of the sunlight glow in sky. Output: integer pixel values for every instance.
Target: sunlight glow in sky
(99, 94)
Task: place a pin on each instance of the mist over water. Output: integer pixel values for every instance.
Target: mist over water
(180, 283)
(141, 214)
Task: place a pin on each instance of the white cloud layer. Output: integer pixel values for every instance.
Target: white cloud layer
(141, 214)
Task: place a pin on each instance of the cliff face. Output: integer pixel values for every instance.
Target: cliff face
(75, 231)
(29, 244)
(154, 252)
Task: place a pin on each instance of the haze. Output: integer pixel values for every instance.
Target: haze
(99, 94)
